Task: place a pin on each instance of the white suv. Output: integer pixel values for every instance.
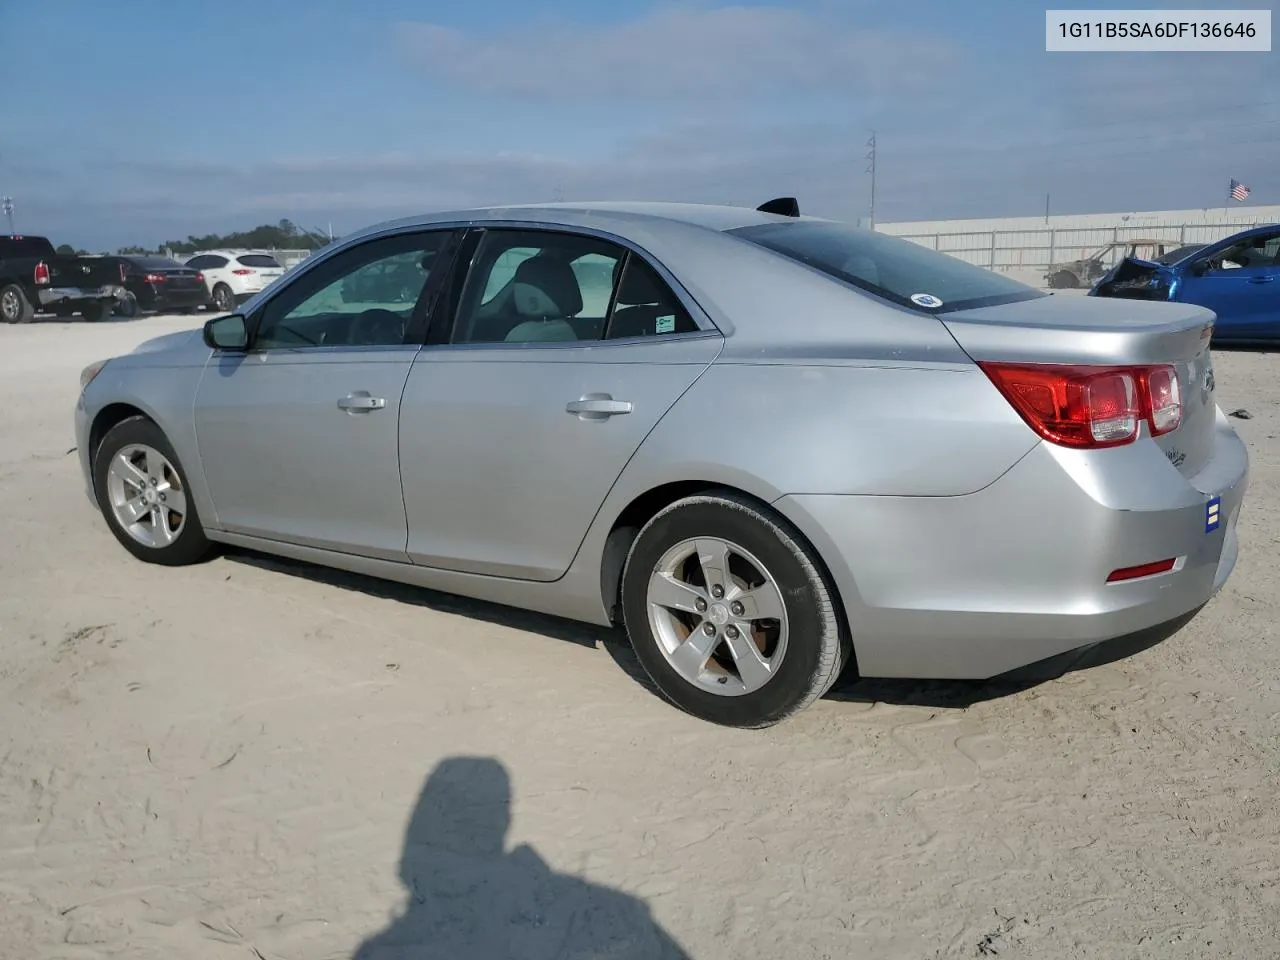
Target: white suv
(233, 276)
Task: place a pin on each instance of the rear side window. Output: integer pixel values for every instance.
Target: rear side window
(898, 270)
(645, 305)
(208, 262)
(258, 260)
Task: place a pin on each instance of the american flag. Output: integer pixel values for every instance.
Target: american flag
(1238, 190)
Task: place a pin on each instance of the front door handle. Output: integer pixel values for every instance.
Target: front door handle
(361, 402)
(1261, 279)
(597, 406)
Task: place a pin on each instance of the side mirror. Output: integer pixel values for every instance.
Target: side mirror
(227, 333)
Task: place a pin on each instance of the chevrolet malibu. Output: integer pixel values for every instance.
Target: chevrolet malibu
(770, 445)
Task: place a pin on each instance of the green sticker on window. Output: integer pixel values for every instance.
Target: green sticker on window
(666, 324)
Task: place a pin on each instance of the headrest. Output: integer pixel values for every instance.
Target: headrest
(639, 284)
(546, 287)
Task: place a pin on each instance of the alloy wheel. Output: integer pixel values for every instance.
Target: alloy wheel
(718, 616)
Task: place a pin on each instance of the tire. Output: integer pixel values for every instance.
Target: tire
(94, 310)
(223, 298)
(804, 650)
(14, 305)
(140, 440)
(127, 306)
(1064, 280)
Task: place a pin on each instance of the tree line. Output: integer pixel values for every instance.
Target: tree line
(284, 235)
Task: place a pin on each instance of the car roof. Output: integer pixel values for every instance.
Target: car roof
(600, 214)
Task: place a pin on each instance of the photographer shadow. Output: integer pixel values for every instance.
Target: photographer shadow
(470, 897)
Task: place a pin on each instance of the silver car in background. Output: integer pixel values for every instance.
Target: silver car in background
(772, 446)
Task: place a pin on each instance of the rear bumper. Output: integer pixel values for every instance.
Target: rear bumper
(975, 586)
(52, 296)
(168, 299)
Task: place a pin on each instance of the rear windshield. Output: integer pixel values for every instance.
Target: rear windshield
(156, 263)
(898, 270)
(18, 247)
(258, 260)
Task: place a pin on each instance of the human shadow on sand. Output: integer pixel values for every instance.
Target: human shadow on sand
(471, 898)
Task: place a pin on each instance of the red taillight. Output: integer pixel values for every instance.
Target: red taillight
(41, 275)
(1164, 399)
(154, 278)
(1142, 570)
(199, 278)
(1088, 406)
(242, 272)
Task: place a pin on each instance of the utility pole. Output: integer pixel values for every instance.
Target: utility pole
(6, 203)
(871, 169)
(1046, 208)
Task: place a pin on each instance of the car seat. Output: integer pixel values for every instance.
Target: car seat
(545, 292)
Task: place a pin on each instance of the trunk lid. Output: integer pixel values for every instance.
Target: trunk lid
(181, 278)
(1121, 332)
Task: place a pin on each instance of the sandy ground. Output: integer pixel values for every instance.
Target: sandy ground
(225, 762)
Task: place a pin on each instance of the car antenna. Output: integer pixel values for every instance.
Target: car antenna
(784, 206)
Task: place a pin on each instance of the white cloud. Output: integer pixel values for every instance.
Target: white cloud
(676, 52)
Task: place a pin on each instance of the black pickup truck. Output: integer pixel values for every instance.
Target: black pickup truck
(35, 277)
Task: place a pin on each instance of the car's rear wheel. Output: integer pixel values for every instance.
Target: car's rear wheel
(14, 305)
(730, 613)
(143, 493)
(223, 298)
(127, 306)
(94, 310)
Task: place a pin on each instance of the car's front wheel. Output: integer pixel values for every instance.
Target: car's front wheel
(143, 493)
(729, 612)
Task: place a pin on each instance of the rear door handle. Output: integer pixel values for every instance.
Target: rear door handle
(597, 406)
(361, 402)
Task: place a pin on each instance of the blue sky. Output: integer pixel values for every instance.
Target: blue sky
(146, 122)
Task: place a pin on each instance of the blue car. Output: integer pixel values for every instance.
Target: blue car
(1237, 278)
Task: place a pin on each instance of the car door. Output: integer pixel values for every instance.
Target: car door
(298, 435)
(1240, 282)
(564, 352)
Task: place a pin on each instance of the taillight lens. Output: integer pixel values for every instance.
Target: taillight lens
(1088, 406)
(154, 278)
(41, 274)
(1164, 399)
(242, 273)
(199, 278)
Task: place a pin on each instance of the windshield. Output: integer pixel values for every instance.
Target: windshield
(898, 270)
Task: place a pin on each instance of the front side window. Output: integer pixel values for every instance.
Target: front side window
(546, 287)
(364, 296)
(1261, 250)
(895, 269)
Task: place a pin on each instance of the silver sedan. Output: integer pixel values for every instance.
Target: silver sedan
(772, 446)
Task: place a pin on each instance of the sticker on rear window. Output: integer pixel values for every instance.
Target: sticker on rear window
(925, 300)
(666, 324)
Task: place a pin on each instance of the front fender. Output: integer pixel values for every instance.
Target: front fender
(165, 395)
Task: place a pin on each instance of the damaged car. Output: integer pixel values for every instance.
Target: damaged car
(1237, 278)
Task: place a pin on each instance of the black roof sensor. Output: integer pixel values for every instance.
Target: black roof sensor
(784, 206)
